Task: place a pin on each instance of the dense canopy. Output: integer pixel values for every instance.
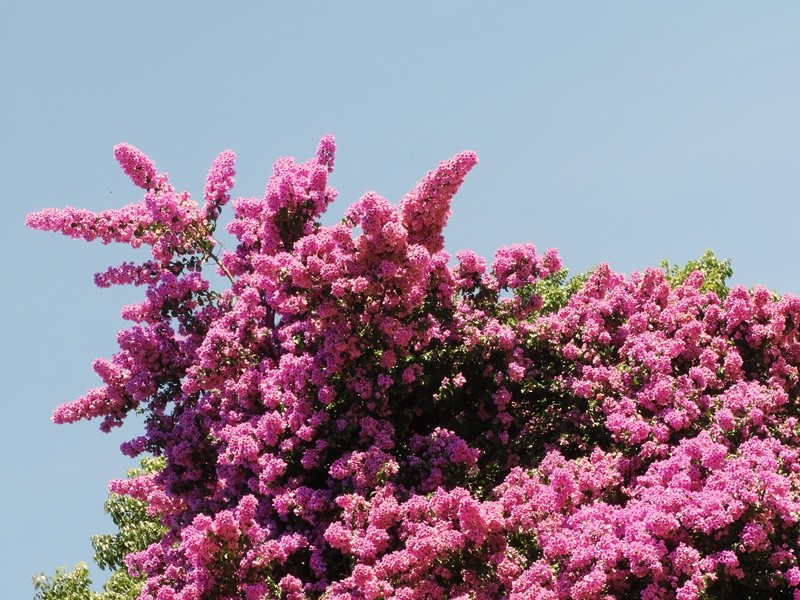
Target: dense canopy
(345, 412)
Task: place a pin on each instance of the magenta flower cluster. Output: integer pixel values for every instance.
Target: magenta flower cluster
(355, 416)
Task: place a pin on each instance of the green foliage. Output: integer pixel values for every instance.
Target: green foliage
(136, 531)
(65, 586)
(716, 272)
(554, 290)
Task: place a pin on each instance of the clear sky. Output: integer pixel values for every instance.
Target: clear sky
(623, 132)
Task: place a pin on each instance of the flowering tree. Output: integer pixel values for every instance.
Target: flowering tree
(353, 416)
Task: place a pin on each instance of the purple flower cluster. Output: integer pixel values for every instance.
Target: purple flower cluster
(356, 417)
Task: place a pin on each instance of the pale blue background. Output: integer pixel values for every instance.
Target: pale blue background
(624, 132)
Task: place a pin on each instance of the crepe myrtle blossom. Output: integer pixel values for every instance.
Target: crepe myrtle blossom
(349, 413)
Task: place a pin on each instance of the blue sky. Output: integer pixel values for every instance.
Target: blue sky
(623, 132)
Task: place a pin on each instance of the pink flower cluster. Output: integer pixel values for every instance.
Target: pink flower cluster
(356, 417)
